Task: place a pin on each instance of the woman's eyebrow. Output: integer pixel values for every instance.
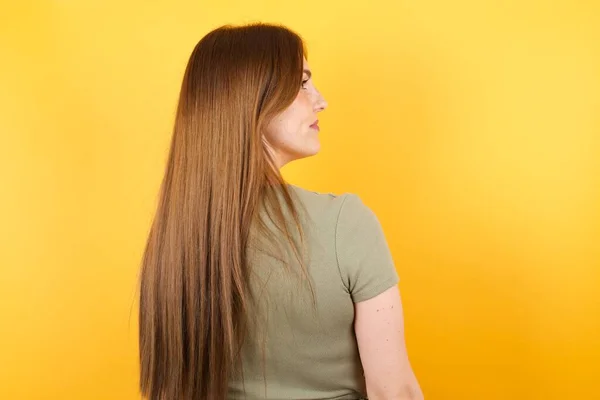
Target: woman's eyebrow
(307, 72)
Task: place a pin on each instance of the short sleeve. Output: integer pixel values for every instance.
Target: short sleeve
(364, 258)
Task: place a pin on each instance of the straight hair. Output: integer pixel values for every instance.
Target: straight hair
(194, 278)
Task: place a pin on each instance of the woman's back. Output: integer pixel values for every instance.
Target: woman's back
(297, 349)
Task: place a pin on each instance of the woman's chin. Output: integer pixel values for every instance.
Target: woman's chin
(314, 149)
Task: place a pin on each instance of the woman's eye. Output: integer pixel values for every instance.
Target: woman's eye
(304, 84)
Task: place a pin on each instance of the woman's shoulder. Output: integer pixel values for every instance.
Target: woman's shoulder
(319, 199)
(331, 203)
(323, 196)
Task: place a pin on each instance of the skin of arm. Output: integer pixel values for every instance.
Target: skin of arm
(379, 327)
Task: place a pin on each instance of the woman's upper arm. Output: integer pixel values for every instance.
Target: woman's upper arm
(369, 275)
(379, 327)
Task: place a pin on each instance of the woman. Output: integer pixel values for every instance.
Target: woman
(250, 287)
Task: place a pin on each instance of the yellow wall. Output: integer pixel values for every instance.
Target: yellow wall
(472, 128)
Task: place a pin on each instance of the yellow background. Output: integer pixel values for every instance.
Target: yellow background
(472, 128)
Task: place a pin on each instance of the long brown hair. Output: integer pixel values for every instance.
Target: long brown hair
(194, 291)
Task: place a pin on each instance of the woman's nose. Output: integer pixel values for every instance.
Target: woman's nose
(320, 103)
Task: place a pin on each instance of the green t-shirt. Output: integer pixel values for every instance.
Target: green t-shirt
(297, 349)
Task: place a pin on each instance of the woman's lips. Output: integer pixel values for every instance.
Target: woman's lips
(315, 126)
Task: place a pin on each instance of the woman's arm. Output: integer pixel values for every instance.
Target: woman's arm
(379, 327)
